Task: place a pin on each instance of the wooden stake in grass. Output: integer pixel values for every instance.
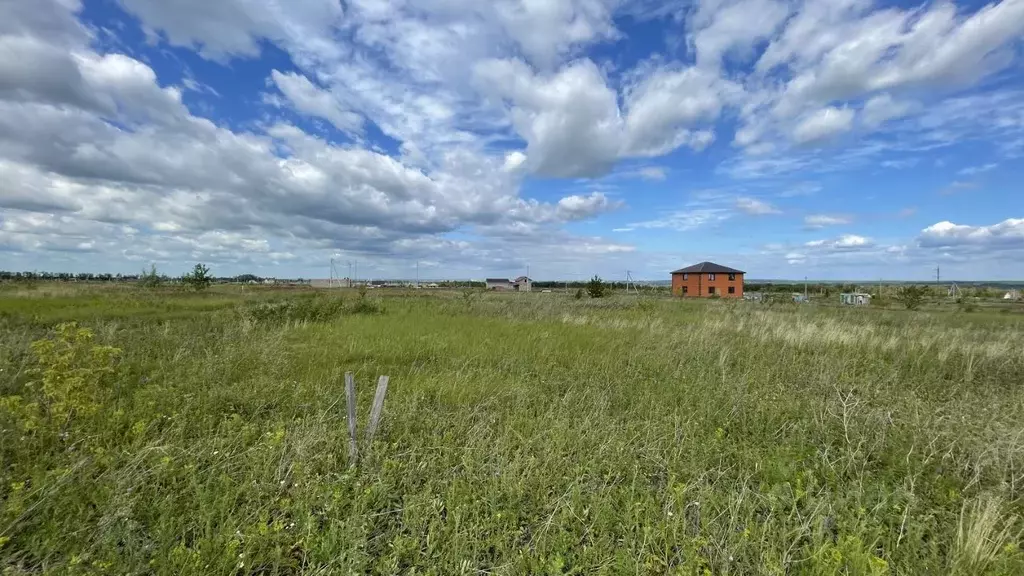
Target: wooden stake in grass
(350, 403)
(378, 407)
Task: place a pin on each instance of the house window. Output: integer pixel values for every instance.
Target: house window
(685, 290)
(732, 277)
(711, 277)
(686, 276)
(732, 289)
(711, 290)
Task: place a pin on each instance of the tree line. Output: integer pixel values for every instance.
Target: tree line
(199, 278)
(13, 276)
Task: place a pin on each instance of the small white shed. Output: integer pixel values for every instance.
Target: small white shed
(854, 299)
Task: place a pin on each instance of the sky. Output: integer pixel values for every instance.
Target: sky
(829, 139)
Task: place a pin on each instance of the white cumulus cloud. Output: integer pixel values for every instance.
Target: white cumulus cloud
(1006, 234)
(314, 101)
(817, 221)
(844, 242)
(755, 207)
(823, 125)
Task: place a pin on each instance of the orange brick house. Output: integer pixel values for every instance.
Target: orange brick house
(706, 280)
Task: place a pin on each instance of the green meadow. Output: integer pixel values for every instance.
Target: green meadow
(167, 432)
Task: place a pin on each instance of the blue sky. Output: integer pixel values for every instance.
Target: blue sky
(830, 139)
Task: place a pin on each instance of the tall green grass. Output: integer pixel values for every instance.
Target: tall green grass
(522, 434)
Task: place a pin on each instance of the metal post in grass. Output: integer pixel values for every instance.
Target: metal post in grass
(350, 402)
(378, 407)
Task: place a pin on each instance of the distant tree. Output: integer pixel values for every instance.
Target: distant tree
(911, 296)
(198, 279)
(246, 278)
(150, 278)
(595, 288)
(579, 294)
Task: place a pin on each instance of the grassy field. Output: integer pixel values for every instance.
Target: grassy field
(522, 434)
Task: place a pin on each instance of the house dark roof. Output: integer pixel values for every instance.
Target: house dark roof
(495, 280)
(523, 279)
(708, 268)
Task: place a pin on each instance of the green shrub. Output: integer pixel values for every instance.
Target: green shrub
(150, 278)
(595, 288)
(198, 279)
(365, 306)
(468, 295)
(646, 305)
(911, 296)
(316, 309)
(69, 380)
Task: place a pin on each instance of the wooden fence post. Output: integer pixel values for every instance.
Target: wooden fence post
(350, 402)
(378, 407)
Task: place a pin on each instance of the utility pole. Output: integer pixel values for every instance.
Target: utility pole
(937, 277)
(805, 288)
(417, 273)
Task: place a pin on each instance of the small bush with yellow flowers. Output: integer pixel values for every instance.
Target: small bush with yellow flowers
(68, 380)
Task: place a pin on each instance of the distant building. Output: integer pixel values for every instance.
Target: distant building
(498, 284)
(1012, 295)
(708, 280)
(521, 284)
(854, 299)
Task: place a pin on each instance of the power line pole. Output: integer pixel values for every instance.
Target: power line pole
(631, 283)
(417, 273)
(937, 277)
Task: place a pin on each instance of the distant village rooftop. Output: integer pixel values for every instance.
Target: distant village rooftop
(708, 268)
